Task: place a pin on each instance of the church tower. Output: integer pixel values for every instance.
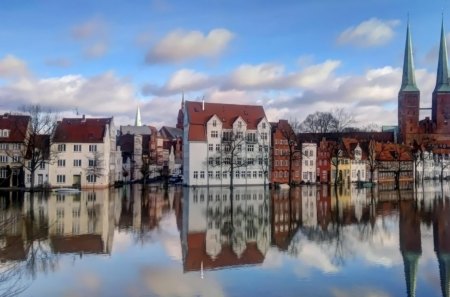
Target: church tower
(180, 118)
(441, 95)
(408, 97)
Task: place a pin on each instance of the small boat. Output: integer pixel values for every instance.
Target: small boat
(284, 186)
(67, 190)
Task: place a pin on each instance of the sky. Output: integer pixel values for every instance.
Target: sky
(294, 57)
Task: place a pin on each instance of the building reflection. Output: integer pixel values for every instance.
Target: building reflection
(441, 235)
(223, 228)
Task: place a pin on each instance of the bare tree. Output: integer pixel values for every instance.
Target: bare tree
(443, 162)
(95, 169)
(319, 122)
(293, 153)
(35, 149)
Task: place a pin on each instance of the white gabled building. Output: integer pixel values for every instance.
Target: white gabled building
(309, 158)
(224, 144)
(358, 166)
(86, 154)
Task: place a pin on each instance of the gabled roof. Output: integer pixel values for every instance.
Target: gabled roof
(81, 130)
(387, 152)
(17, 126)
(350, 146)
(137, 130)
(171, 132)
(227, 113)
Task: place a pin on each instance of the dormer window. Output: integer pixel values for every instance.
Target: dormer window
(4, 133)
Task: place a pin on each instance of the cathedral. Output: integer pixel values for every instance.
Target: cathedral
(434, 131)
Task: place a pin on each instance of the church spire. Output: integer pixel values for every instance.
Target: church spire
(137, 121)
(442, 70)
(408, 79)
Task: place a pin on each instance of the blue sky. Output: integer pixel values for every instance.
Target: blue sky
(294, 57)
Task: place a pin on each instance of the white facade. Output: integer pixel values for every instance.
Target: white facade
(309, 159)
(40, 175)
(75, 162)
(431, 166)
(358, 166)
(208, 211)
(205, 162)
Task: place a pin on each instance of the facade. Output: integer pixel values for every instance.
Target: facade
(13, 133)
(324, 151)
(285, 154)
(41, 178)
(309, 159)
(358, 160)
(86, 153)
(341, 164)
(225, 144)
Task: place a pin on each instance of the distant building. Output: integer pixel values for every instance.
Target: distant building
(309, 158)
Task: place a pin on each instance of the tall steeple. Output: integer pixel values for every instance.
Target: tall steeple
(408, 79)
(442, 69)
(137, 121)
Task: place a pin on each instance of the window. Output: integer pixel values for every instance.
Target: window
(251, 137)
(16, 146)
(249, 174)
(195, 174)
(3, 146)
(210, 161)
(42, 165)
(217, 161)
(61, 147)
(214, 123)
(202, 174)
(311, 162)
(255, 173)
(239, 124)
(250, 161)
(61, 163)
(250, 148)
(237, 174)
(3, 172)
(264, 136)
(260, 174)
(239, 135)
(3, 159)
(210, 174)
(263, 125)
(77, 147)
(214, 134)
(76, 163)
(306, 162)
(92, 163)
(5, 133)
(92, 147)
(217, 147)
(260, 148)
(239, 161)
(224, 175)
(239, 147)
(91, 178)
(227, 161)
(16, 158)
(60, 178)
(210, 147)
(260, 161)
(217, 174)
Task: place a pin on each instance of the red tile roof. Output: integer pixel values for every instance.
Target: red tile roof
(227, 113)
(196, 255)
(81, 130)
(17, 126)
(86, 243)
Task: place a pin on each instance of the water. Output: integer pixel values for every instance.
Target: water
(310, 241)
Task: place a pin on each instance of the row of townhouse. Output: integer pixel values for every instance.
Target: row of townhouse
(228, 144)
(81, 152)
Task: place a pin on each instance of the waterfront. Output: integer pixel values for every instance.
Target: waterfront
(200, 242)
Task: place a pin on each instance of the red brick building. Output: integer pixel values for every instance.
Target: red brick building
(411, 129)
(285, 154)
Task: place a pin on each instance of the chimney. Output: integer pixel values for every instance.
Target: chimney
(83, 118)
(203, 103)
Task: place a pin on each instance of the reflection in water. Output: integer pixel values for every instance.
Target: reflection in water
(223, 228)
(220, 229)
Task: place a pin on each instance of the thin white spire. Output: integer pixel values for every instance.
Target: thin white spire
(137, 121)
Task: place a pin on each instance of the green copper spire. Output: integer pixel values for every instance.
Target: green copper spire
(442, 70)
(410, 262)
(408, 79)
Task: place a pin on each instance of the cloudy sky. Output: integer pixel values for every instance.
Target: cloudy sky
(105, 57)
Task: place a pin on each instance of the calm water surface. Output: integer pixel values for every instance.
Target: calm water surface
(310, 241)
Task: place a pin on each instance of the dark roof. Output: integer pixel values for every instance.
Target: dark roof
(41, 142)
(227, 113)
(359, 136)
(17, 126)
(171, 132)
(87, 243)
(81, 130)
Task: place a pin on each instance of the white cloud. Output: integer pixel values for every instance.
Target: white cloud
(12, 67)
(369, 33)
(179, 46)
